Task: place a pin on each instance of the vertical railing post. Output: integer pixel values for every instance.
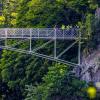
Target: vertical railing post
(63, 33)
(55, 43)
(38, 33)
(22, 33)
(47, 31)
(6, 36)
(79, 49)
(30, 40)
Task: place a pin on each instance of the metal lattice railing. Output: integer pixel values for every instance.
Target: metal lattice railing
(45, 33)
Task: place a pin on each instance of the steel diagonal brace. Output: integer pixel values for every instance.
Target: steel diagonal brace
(34, 50)
(67, 49)
(55, 59)
(41, 55)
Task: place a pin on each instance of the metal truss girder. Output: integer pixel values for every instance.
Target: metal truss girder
(40, 55)
(51, 34)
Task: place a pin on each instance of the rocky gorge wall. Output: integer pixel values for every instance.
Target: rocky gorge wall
(90, 70)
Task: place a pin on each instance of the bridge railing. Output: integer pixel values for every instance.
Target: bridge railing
(39, 33)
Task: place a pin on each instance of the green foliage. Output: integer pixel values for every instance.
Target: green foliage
(57, 84)
(19, 69)
(50, 80)
(88, 24)
(35, 14)
(10, 9)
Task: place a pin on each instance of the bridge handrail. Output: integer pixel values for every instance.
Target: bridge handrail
(39, 32)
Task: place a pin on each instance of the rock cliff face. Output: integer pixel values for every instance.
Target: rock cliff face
(90, 67)
(90, 70)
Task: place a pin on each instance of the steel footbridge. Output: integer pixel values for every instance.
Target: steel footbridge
(50, 35)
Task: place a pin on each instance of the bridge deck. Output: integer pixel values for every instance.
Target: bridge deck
(44, 33)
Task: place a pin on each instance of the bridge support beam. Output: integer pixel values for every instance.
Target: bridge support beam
(79, 50)
(55, 44)
(30, 40)
(6, 37)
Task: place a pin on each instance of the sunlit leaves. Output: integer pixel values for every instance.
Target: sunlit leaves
(2, 18)
(14, 14)
(13, 22)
